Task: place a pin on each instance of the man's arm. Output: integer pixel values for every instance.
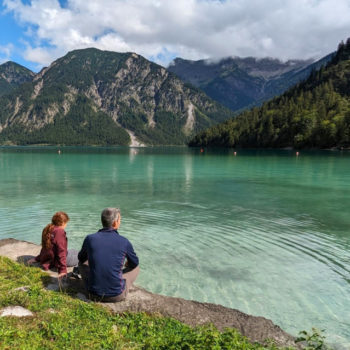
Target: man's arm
(83, 255)
(131, 256)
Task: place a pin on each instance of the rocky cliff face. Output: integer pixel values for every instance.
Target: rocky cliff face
(239, 83)
(98, 97)
(12, 75)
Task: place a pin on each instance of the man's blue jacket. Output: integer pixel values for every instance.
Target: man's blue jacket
(106, 252)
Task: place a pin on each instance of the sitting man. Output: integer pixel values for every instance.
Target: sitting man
(102, 257)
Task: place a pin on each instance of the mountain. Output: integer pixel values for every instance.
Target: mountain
(313, 114)
(12, 75)
(106, 98)
(239, 83)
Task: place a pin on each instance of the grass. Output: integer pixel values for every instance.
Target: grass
(63, 322)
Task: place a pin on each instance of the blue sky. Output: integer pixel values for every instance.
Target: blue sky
(14, 37)
(10, 38)
(36, 32)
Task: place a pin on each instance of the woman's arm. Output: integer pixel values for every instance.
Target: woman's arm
(61, 252)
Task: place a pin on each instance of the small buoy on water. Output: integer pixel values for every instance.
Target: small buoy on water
(234, 153)
(59, 151)
(202, 150)
(297, 154)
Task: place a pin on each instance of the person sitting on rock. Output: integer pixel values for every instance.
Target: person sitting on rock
(54, 252)
(102, 258)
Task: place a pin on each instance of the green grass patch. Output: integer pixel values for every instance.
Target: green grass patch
(63, 322)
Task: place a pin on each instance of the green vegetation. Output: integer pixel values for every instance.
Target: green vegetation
(81, 68)
(166, 131)
(62, 322)
(313, 114)
(313, 340)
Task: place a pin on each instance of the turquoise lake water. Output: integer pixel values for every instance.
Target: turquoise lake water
(265, 232)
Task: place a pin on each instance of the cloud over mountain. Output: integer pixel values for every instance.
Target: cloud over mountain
(163, 29)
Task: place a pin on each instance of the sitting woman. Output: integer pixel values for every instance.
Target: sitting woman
(54, 252)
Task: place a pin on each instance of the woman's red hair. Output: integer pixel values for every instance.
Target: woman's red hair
(60, 218)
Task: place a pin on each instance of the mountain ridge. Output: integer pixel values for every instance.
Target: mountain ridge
(138, 99)
(240, 83)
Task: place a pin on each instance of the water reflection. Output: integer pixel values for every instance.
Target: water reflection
(133, 152)
(150, 173)
(188, 167)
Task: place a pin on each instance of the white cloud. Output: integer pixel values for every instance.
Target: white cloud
(41, 56)
(5, 52)
(194, 29)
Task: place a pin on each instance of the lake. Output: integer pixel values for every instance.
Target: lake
(264, 232)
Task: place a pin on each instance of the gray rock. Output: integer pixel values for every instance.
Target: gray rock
(17, 311)
(193, 313)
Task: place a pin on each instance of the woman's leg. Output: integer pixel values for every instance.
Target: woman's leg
(72, 257)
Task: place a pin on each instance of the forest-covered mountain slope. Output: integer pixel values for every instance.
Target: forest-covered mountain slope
(313, 114)
(94, 97)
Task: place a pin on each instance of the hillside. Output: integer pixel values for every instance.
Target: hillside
(12, 75)
(239, 83)
(313, 114)
(105, 98)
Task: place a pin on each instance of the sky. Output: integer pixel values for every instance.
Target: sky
(36, 32)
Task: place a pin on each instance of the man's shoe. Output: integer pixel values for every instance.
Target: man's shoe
(75, 273)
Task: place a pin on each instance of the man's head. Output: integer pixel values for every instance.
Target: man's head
(110, 217)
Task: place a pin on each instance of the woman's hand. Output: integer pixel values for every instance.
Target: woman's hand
(62, 274)
(31, 261)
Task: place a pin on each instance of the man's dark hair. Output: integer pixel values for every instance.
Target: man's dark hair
(108, 216)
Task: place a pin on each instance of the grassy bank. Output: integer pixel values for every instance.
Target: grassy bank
(62, 322)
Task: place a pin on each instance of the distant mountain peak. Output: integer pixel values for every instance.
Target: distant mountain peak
(12, 75)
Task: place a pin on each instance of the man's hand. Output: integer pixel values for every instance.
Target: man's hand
(61, 275)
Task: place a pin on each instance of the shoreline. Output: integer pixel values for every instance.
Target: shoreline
(143, 146)
(193, 313)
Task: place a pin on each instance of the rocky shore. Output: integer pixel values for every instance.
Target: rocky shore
(257, 329)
